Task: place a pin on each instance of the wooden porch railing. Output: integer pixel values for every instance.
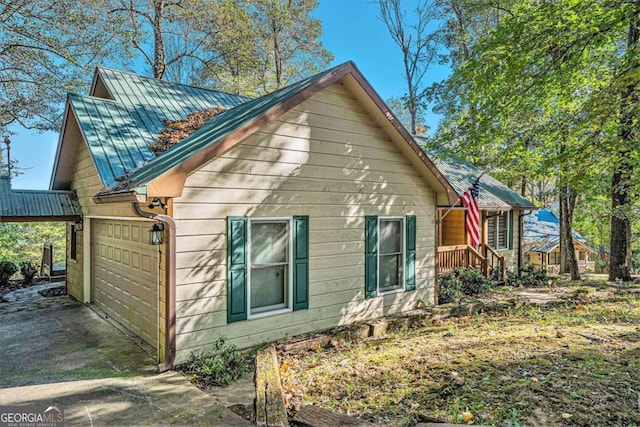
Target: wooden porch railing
(463, 256)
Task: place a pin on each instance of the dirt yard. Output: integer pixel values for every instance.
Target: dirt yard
(571, 357)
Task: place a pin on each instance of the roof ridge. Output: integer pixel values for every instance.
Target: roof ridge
(131, 73)
(173, 153)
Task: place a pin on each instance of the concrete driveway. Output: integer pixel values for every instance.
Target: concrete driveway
(67, 355)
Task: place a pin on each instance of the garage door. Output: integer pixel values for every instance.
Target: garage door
(125, 275)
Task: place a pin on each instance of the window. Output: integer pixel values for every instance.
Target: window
(73, 244)
(499, 230)
(390, 254)
(267, 266)
(269, 244)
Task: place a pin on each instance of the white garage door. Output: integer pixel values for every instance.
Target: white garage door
(125, 275)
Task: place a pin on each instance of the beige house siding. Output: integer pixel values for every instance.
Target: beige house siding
(75, 284)
(328, 159)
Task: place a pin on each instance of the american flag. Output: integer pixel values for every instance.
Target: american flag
(470, 201)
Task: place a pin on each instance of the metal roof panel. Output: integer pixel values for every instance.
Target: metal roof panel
(36, 204)
(493, 194)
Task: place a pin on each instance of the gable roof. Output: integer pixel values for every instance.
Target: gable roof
(493, 194)
(127, 114)
(36, 205)
(125, 166)
(541, 231)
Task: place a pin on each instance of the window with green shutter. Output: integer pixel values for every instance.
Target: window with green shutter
(390, 254)
(268, 266)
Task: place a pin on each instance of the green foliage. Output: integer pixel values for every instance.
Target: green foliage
(462, 282)
(7, 269)
(41, 59)
(449, 289)
(221, 365)
(255, 47)
(529, 276)
(547, 92)
(28, 271)
(23, 241)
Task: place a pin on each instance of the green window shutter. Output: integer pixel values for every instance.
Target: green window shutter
(510, 238)
(300, 262)
(371, 256)
(410, 256)
(236, 268)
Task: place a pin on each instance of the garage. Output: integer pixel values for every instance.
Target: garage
(125, 275)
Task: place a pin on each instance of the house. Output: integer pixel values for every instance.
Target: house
(501, 212)
(304, 209)
(542, 243)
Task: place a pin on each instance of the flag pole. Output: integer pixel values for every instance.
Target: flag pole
(476, 181)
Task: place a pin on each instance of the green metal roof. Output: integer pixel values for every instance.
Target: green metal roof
(118, 138)
(220, 126)
(493, 194)
(119, 130)
(36, 205)
(160, 99)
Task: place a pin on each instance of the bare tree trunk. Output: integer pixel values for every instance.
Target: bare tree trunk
(568, 261)
(159, 65)
(620, 261)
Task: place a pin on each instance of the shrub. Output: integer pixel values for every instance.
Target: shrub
(219, 366)
(449, 289)
(7, 269)
(462, 282)
(529, 276)
(473, 282)
(28, 271)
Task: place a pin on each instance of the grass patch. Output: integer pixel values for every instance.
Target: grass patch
(573, 363)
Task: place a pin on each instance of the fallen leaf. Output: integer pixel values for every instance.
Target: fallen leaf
(534, 379)
(559, 334)
(466, 416)
(579, 307)
(566, 416)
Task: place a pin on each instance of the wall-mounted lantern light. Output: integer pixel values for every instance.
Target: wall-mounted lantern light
(78, 226)
(157, 234)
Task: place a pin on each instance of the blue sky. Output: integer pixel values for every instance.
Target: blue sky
(352, 31)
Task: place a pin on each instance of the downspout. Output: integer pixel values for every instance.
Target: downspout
(170, 326)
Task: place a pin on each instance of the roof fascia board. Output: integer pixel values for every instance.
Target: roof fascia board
(56, 161)
(171, 183)
(97, 76)
(397, 125)
(123, 197)
(174, 179)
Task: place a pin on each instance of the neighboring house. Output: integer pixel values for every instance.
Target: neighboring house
(304, 209)
(542, 243)
(501, 214)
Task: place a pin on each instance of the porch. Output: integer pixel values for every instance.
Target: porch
(484, 258)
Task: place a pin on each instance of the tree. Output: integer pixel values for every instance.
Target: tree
(240, 46)
(418, 42)
(23, 241)
(553, 73)
(282, 45)
(46, 49)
